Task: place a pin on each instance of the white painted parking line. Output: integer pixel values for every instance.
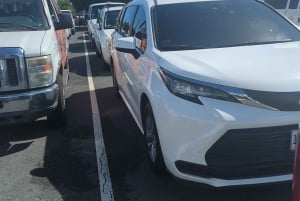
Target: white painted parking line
(106, 191)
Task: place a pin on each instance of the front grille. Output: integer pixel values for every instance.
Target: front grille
(254, 152)
(11, 65)
(246, 153)
(12, 70)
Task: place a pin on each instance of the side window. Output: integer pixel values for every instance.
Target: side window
(139, 30)
(127, 20)
(52, 11)
(277, 4)
(99, 17)
(293, 4)
(119, 19)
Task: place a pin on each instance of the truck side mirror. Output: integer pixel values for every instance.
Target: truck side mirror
(65, 21)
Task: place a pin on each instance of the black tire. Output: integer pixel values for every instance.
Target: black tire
(93, 45)
(115, 82)
(57, 117)
(154, 153)
(105, 65)
(97, 53)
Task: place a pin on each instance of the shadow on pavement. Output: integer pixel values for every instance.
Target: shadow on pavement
(70, 158)
(12, 137)
(100, 69)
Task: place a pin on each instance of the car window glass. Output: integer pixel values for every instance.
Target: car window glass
(139, 20)
(127, 20)
(52, 11)
(110, 19)
(119, 19)
(277, 4)
(95, 11)
(22, 15)
(293, 4)
(139, 30)
(219, 24)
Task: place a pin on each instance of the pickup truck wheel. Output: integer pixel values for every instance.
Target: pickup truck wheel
(58, 116)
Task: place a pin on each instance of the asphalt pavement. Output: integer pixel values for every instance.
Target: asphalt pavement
(38, 162)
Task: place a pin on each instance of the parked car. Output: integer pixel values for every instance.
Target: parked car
(33, 61)
(91, 17)
(107, 22)
(72, 29)
(288, 8)
(296, 178)
(212, 85)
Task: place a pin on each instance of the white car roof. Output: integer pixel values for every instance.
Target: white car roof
(162, 2)
(113, 8)
(97, 4)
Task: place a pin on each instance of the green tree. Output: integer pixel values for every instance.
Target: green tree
(81, 5)
(66, 5)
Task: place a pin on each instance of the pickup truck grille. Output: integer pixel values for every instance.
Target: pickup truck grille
(12, 70)
(12, 73)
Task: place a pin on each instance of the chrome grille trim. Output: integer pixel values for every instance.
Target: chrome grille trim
(12, 69)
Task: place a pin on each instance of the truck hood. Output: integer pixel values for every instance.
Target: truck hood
(271, 67)
(30, 41)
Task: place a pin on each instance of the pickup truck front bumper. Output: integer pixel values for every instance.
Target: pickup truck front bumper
(27, 106)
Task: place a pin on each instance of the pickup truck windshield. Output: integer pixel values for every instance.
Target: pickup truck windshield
(216, 24)
(22, 15)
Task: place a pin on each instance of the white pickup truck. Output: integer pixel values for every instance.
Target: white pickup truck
(33, 60)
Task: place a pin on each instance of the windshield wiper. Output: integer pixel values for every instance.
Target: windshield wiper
(18, 25)
(258, 43)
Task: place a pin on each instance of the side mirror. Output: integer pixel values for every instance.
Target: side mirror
(65, 21)
(125, 44)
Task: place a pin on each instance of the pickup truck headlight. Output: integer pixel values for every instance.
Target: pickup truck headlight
(40, 71)
(191, 89)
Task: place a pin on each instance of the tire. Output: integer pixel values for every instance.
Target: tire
(105, 65)
(93, 45)
(115, 82)
(152, 142)
(57, 117)
(97, 53)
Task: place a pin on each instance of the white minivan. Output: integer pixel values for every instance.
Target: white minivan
(289, 8)
(91, 17)
(107, 22)
(214, 86)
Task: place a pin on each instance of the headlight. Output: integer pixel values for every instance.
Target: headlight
(40, 71)
(191, 90)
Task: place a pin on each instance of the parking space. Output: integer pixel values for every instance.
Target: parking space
(38, 162)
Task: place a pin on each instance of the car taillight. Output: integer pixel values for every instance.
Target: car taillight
(296, 177)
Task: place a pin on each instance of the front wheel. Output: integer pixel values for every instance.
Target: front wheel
(114, 78)
(57, 117)
(154, 152)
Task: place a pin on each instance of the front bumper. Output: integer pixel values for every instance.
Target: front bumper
(188, 131)
(27, 106)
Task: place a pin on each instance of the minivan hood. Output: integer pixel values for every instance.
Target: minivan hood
(271, 67)
(30, 41)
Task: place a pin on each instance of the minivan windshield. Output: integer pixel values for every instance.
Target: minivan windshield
(22, 15)
(216, 24)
